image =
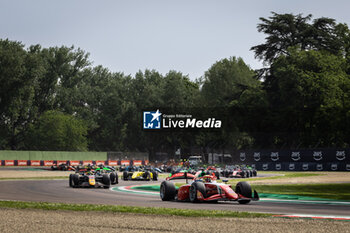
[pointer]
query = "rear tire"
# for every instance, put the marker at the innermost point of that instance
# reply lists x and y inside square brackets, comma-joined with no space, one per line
[112,176]
[155,176]
[116,178]
[125,175]
[167,191]
[147,176]
[245,190]
[217,174]
[197,186]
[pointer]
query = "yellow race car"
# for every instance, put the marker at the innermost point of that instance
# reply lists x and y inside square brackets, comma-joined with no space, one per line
[139,174]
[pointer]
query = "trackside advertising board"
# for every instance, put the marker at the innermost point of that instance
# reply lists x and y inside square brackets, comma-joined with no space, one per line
[22,162]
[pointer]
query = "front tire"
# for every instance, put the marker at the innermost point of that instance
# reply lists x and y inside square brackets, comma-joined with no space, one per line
[75,181]
[167,191]
[197,186]
[245,190]
[71,180]
[106,180]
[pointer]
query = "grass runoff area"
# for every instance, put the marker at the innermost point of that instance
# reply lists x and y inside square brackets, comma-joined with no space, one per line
[334,191]
[131,209]
[328,191]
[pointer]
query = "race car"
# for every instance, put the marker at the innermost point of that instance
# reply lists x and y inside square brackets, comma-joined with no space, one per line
[236,172]
[87,177]
[62,167]
[205,189]
[140,174]
[113,175]
[209,171]
[181,173]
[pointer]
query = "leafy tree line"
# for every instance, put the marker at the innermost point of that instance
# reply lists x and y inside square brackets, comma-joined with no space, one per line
[54,99]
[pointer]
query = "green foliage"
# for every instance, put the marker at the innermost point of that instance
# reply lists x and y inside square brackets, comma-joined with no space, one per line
[301,99]
[309,92]
[287,30]
[57,131]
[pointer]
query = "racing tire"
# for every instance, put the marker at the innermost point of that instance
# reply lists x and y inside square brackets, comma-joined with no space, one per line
[247,174]
[75,180]
[255,173]
[245,190]
[71,184]
[106,180]
[217,174]
[243,174]
[155,176]
[112,176]
[227,174]
[147,176]
[116,178]
[196,186]
[125,175]
[167,191]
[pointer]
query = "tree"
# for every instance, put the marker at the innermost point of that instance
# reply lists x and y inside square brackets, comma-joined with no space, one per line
[288,30]
[58,131]
[226,84]
[308,92]
[18,72]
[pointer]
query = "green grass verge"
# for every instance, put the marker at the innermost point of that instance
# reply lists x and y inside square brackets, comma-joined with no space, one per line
[130,209]
[329,191]
[36,178]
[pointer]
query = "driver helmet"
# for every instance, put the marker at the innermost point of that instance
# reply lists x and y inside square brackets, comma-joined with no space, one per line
[207,179]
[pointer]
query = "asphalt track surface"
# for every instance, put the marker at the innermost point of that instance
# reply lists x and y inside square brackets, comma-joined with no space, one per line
[59,191]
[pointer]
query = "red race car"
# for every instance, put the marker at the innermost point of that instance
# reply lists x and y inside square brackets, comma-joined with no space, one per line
[205,189]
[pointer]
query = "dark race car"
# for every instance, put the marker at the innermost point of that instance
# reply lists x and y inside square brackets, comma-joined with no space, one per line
[62,167]
[86,177]
[205,189]
[113,175]
[236,172]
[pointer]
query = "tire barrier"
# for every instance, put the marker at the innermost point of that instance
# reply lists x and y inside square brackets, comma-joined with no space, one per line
[49,163]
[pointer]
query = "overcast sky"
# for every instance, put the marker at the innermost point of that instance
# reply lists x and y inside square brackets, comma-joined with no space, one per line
[126,36]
